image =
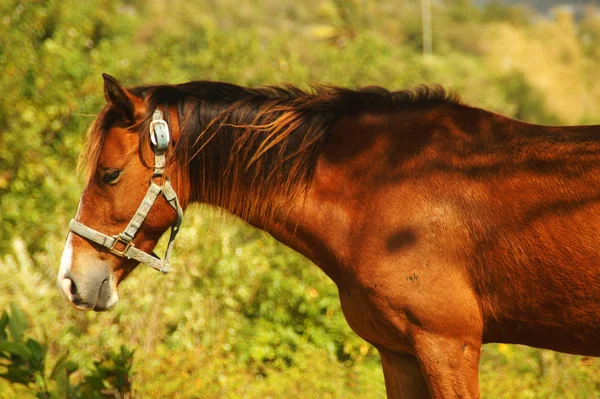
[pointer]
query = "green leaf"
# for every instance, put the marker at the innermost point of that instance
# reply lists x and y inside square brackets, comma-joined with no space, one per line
[17,323]
[95,382]
[62,384]
[3,324]
[39,379]
[16,348]
[17,376]
[38,351]
[60,373]
[71,367]
[59,366]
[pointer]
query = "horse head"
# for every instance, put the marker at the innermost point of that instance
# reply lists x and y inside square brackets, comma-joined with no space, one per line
[127,204]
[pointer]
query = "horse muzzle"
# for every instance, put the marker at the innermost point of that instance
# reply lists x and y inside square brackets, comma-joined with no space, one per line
[89,288]
[89,294]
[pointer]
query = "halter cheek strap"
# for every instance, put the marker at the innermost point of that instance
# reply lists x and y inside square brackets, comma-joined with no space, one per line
[122,244]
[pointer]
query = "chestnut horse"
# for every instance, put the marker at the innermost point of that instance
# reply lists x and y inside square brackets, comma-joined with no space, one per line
[443,226]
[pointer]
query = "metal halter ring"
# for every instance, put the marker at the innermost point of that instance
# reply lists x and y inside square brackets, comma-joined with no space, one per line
[113,248]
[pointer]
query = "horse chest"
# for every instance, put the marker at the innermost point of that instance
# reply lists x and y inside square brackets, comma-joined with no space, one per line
[375,324]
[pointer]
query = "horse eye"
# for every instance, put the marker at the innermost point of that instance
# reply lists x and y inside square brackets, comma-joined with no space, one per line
[111,176]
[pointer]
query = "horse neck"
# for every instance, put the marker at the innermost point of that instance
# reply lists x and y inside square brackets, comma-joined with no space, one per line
[363,154]
[256,163]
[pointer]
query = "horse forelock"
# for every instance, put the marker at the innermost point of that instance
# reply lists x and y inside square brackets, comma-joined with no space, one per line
[88,158]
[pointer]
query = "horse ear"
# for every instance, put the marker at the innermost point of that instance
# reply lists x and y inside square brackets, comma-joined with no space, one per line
[119,97]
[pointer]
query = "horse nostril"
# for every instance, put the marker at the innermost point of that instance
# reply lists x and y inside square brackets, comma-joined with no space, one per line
[73,287]
[66,286]
[69,287]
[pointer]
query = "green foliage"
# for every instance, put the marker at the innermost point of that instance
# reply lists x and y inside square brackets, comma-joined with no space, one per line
[110,377]
[24,363]
[518,15]
[50,54]
[242,316]
[24,359]
[527,99]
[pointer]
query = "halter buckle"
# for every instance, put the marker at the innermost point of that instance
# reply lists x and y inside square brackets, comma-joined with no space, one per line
[113,248]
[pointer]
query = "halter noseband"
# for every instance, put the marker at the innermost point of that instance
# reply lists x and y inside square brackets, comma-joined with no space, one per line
[159,135]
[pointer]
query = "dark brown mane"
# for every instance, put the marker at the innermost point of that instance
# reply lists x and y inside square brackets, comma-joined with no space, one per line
[244,147]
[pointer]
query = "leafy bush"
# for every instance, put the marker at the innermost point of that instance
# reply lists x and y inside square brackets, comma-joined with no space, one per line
[24,362]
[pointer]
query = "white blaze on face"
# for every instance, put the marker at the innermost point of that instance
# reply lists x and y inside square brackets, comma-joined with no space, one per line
[66,261]
[65,264]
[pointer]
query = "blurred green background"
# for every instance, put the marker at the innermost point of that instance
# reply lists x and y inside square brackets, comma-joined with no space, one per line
[243,316]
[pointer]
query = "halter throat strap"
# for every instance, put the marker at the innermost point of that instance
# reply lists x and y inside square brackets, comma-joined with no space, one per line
[122,244]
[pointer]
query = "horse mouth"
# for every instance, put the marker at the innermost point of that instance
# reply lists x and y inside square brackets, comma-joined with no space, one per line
[105,300]
[104,303]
